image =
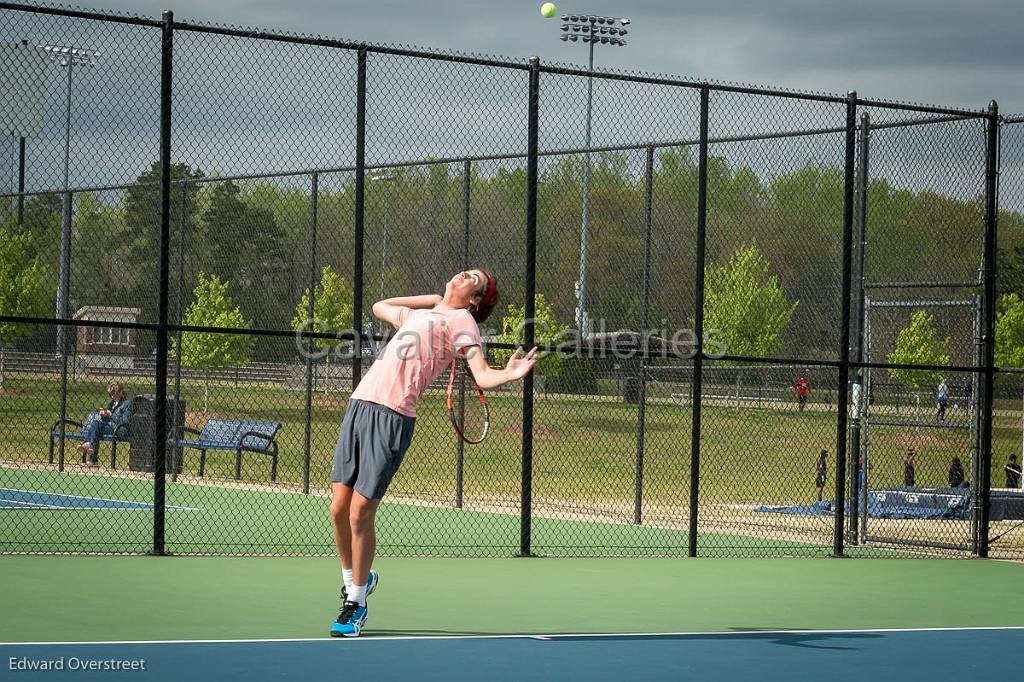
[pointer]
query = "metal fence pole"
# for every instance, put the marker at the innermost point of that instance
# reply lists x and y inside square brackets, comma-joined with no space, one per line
[988,318]
[698,318]
[641,422]
[63,407]
[357,251]
[21,180]
[863,476]
[64,288]
[526,496]
[310,344]
[160,403]
[859,392]
[976,423]
[460,446]
[842,385]
[182,226]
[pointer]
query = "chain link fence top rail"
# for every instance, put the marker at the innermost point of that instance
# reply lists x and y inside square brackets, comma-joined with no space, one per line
[275,192]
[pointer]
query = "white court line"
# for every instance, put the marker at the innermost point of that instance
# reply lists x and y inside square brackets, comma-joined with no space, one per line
[146,505]
[538,636]
[34,505]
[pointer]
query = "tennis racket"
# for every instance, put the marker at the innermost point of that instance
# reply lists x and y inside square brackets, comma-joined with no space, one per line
[471,418]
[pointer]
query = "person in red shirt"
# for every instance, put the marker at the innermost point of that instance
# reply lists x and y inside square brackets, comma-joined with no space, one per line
[803,389]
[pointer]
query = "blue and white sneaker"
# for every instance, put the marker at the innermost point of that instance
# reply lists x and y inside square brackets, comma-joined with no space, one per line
[350,621]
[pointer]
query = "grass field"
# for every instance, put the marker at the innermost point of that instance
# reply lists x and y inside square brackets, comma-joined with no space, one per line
[584,467]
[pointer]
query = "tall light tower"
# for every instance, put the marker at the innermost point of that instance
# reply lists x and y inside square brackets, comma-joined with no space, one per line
[591,30]
[383,175]
[68,58]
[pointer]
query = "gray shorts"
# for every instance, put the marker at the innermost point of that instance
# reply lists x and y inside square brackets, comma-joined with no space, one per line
[370,448]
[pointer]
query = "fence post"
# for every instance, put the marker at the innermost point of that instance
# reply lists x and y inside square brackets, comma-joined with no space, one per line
[357,251]
[176,430]
[529,312]
[160,403]
[988,319]
[310,344]
[698,318]
[859,388]
[63,405]
[460,445]
[63,291]
[842,385]
[641,416]
[21,180]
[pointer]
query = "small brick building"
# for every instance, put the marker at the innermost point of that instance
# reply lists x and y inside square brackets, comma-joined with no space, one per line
[106,346]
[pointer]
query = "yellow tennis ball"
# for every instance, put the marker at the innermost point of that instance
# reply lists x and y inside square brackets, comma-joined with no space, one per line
[548,9]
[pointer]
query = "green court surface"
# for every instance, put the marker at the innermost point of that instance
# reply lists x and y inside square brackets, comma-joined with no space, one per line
[74,598]
[219,518]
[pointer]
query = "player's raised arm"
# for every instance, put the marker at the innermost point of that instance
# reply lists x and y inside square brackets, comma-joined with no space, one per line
[519,365]
[390,309]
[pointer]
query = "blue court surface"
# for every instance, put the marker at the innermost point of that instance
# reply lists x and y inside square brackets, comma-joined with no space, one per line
[907,655]
[12,498]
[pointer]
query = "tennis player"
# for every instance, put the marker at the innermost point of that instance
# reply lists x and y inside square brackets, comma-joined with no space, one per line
[378,424]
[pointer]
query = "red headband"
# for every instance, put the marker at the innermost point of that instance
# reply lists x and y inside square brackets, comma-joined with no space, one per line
[489,293]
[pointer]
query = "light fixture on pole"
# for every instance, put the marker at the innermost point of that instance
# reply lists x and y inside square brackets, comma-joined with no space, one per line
[69,58]
[590,30]
[383,175]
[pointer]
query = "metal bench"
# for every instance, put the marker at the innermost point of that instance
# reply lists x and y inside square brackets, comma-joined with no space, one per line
[121,433]
[234,434]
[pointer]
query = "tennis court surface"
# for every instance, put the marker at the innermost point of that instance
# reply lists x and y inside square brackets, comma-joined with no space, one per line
[841,655]
[218,618]
[12,498]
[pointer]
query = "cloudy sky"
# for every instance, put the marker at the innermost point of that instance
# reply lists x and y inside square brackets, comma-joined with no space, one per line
[933,51]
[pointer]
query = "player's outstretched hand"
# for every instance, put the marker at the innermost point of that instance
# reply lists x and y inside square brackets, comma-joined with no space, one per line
[519,365]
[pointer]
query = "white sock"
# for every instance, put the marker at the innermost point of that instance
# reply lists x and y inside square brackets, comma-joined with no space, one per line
[346,576]
[357,593]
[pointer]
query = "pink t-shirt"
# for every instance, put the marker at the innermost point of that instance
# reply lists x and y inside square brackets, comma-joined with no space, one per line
[421,349]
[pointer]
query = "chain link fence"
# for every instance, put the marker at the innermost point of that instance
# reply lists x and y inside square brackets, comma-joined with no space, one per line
[758,302]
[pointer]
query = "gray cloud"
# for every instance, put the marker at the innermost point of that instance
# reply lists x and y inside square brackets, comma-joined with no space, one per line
[243,107]
[942,52]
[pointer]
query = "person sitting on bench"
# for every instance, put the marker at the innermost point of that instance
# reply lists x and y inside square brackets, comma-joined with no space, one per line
[103,422]
[1012,472]
[956,474]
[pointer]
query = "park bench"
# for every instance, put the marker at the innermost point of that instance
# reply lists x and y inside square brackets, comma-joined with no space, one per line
[121,433]
[234,434]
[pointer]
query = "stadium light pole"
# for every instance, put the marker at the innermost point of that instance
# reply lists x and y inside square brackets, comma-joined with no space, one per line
[591,30]
[69,58]
[383,175]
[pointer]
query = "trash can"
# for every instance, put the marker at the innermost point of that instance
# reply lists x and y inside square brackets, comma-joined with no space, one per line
[140,458]
[631,390]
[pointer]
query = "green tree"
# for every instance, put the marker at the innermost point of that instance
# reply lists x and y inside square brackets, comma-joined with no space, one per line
[1010,331]
[547,330]
[226,224]
[919,344]
[138,243]
[332,311]
[206,351]
[98,269]
[246,246]
[23,288]
[746,305]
